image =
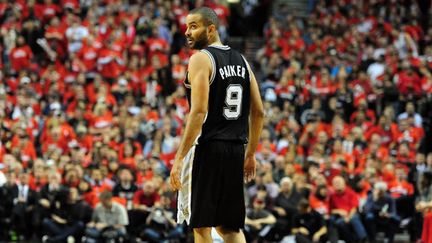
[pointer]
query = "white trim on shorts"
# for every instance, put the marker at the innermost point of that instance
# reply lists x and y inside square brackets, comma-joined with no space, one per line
[184,199]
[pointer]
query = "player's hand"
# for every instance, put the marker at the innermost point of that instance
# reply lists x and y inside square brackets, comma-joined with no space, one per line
[249,168]
[175,175]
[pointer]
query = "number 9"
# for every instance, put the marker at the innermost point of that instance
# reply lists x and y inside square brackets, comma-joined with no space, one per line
[233,101]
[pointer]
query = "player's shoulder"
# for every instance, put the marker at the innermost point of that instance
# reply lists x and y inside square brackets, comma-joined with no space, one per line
[199,58]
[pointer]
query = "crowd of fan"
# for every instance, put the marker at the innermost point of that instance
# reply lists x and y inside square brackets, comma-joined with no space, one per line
[345,151]
[92,108]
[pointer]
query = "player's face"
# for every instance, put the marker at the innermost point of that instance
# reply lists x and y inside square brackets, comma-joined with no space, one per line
[196,32]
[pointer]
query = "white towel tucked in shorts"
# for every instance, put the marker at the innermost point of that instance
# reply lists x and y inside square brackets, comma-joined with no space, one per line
[185,193]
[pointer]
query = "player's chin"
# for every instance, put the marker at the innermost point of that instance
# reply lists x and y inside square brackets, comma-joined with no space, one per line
[190,44]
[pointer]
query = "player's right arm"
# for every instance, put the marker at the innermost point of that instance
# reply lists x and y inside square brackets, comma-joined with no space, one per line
[256,120]
[199,72]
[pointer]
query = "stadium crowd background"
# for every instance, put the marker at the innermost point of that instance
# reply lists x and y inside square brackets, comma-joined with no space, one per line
[92,109]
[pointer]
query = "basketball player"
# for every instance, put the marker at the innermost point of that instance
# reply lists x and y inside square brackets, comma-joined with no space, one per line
[226,113]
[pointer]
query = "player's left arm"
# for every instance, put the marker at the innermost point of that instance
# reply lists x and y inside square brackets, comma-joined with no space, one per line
[256,121]
[199,72]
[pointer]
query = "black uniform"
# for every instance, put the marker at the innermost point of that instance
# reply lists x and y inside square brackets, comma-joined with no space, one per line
[217,168]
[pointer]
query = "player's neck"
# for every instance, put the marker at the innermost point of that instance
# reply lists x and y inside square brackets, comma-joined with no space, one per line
[216,42]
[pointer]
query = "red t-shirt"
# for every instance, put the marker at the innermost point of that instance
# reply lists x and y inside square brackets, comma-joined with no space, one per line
[88,56]
[110,63]
[385,134]
[321,206]
[346,200]
[400,188]
[158,47]
[20,57]
[46,11]
[149,200]
[409,83]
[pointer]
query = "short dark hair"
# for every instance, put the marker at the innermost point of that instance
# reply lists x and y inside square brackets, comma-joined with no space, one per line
[209,16]
[105,195]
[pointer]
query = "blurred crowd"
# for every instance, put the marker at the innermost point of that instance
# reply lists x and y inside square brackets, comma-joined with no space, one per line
[92,108]
[345,152]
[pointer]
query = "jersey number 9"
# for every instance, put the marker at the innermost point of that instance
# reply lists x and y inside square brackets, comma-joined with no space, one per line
[233,100]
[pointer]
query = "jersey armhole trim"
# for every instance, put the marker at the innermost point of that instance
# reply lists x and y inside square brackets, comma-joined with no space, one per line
[248,67]
[213,75]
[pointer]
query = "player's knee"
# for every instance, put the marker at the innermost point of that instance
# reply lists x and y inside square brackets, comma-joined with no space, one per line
[202,231]
[223,231]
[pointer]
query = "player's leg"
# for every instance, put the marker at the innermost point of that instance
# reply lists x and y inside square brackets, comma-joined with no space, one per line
[231,236]
[202,235]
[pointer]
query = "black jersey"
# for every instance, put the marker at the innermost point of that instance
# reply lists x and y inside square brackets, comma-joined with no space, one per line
[229,96]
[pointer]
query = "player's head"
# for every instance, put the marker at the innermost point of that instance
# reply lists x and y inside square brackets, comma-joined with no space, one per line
[202,24]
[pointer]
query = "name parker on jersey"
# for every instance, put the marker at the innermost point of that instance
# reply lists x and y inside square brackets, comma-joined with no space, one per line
[232,70]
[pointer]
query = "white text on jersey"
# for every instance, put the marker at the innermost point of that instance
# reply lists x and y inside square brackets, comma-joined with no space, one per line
[232,70]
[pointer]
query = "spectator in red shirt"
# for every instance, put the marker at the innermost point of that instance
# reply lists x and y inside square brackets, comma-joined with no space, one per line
[143,202]
[157,46]
[47,10]
[324,85]
[20,56]
[88,195]
[340,157]
[178,69]
[84,140]
[319,200]
[400,186]
[38,177]
[98,182]
[55,35]
[88,54]
[402,191]
[343,208]
[383,129]
[404,133]
[127,152]
[375,150]
[409,82]
[110,62]
[146,198]
[363,107]
[26,146]
[361,85]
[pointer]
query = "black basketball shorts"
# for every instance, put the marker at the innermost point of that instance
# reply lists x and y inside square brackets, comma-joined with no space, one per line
[212,186]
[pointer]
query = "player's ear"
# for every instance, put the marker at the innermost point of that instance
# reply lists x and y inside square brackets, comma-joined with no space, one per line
[212,29]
